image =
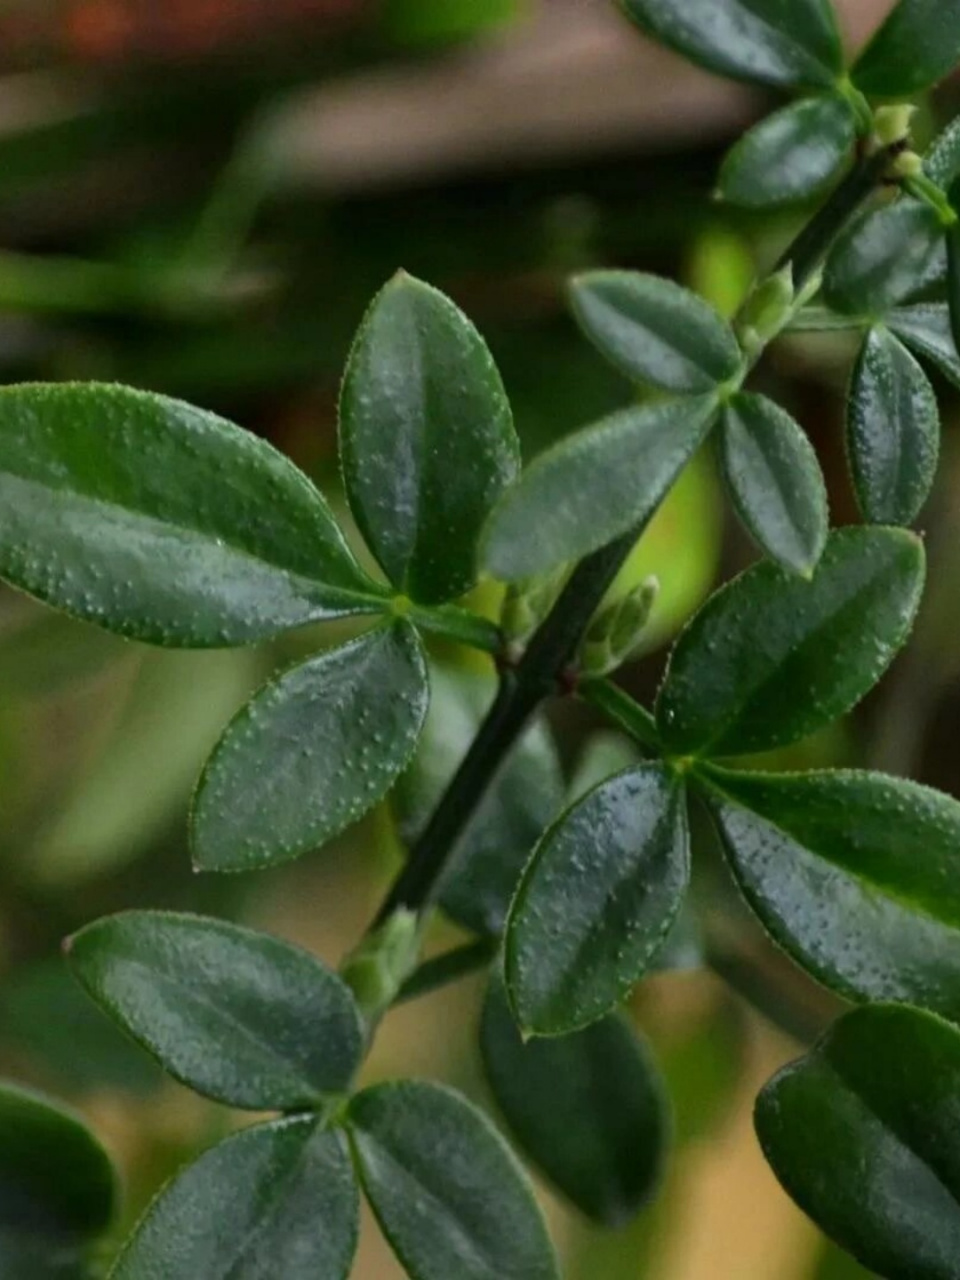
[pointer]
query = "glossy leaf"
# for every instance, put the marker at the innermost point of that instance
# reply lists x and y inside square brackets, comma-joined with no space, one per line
[781,42]
[655,331]
[445,1188]
[312,752]
[791,155]
[856,875]
[775,479]
[893,431]
[771,657]
[593,486]
[164,522]
[523,799]
[953,271]
[58,1185]
[862,1132]
[942,161]
[277,1199]
[236,1015]
[917,45]
[925,328]
[589,1109]
[426,439]
[882,257]
[596,901]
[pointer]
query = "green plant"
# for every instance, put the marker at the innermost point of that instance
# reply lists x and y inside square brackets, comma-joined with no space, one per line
[168,525]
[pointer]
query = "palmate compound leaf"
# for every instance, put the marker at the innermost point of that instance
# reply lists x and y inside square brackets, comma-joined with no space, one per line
[277,1199]
[780,42]
[589,1109]
[594,486]
[445,1187]
[893,431]
[313,751]
[597,900]
[791,155]
[916,46]
[863,1133]
[426,439]
[856,875]
[58,1191]
[163,522]
[772,471]
[237,1015]
[771,657]
[655,331]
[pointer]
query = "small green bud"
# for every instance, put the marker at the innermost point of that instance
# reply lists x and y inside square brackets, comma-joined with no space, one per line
[767,310]
[906,165]
[892,124]
[382,962]
[527,603]
[617,631]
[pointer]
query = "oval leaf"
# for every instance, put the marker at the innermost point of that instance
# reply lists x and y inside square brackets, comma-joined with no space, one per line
[59,1188]
[445,1187]
[593,486]
[893,431]
[882,257]
[775,479]
[312,752]
[953,272]
[589,1109]
[278,1199]
[654,331]
[862,1133]
[926,329]
[163,522]
[772,41]
[942,161]
[426,439]
[856,875]
[239,1016]
[917,45]
[596,901]
[791,155]
[771,657]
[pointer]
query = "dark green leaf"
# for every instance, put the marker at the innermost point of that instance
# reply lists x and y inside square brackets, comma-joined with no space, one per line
[426,439]
[879,259]
[917,45]
[525,797]
[856,875]
[236,1015]
[776,482]
[893,431]
[277,1200]
[654,331]
[942,161]
[953,272]
[593,486]
[791,155]
[862,1133]
[597,900]
[782,42]
[926,329]
[163,522]
[771,657]
[445,1187]
[57,1185]
[312,752]
[589,1108]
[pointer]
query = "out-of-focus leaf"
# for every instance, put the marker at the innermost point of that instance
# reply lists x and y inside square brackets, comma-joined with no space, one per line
[916,46]
[312,752]
[791,155]
[596,901]
[825,643]
[588,1108]
[893,431]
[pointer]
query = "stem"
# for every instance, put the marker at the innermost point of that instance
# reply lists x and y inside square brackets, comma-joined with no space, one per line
[446,968]
[554,646]
[459,625]
[620,707]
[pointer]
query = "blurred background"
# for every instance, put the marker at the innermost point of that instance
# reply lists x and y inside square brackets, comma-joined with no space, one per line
[199,197]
